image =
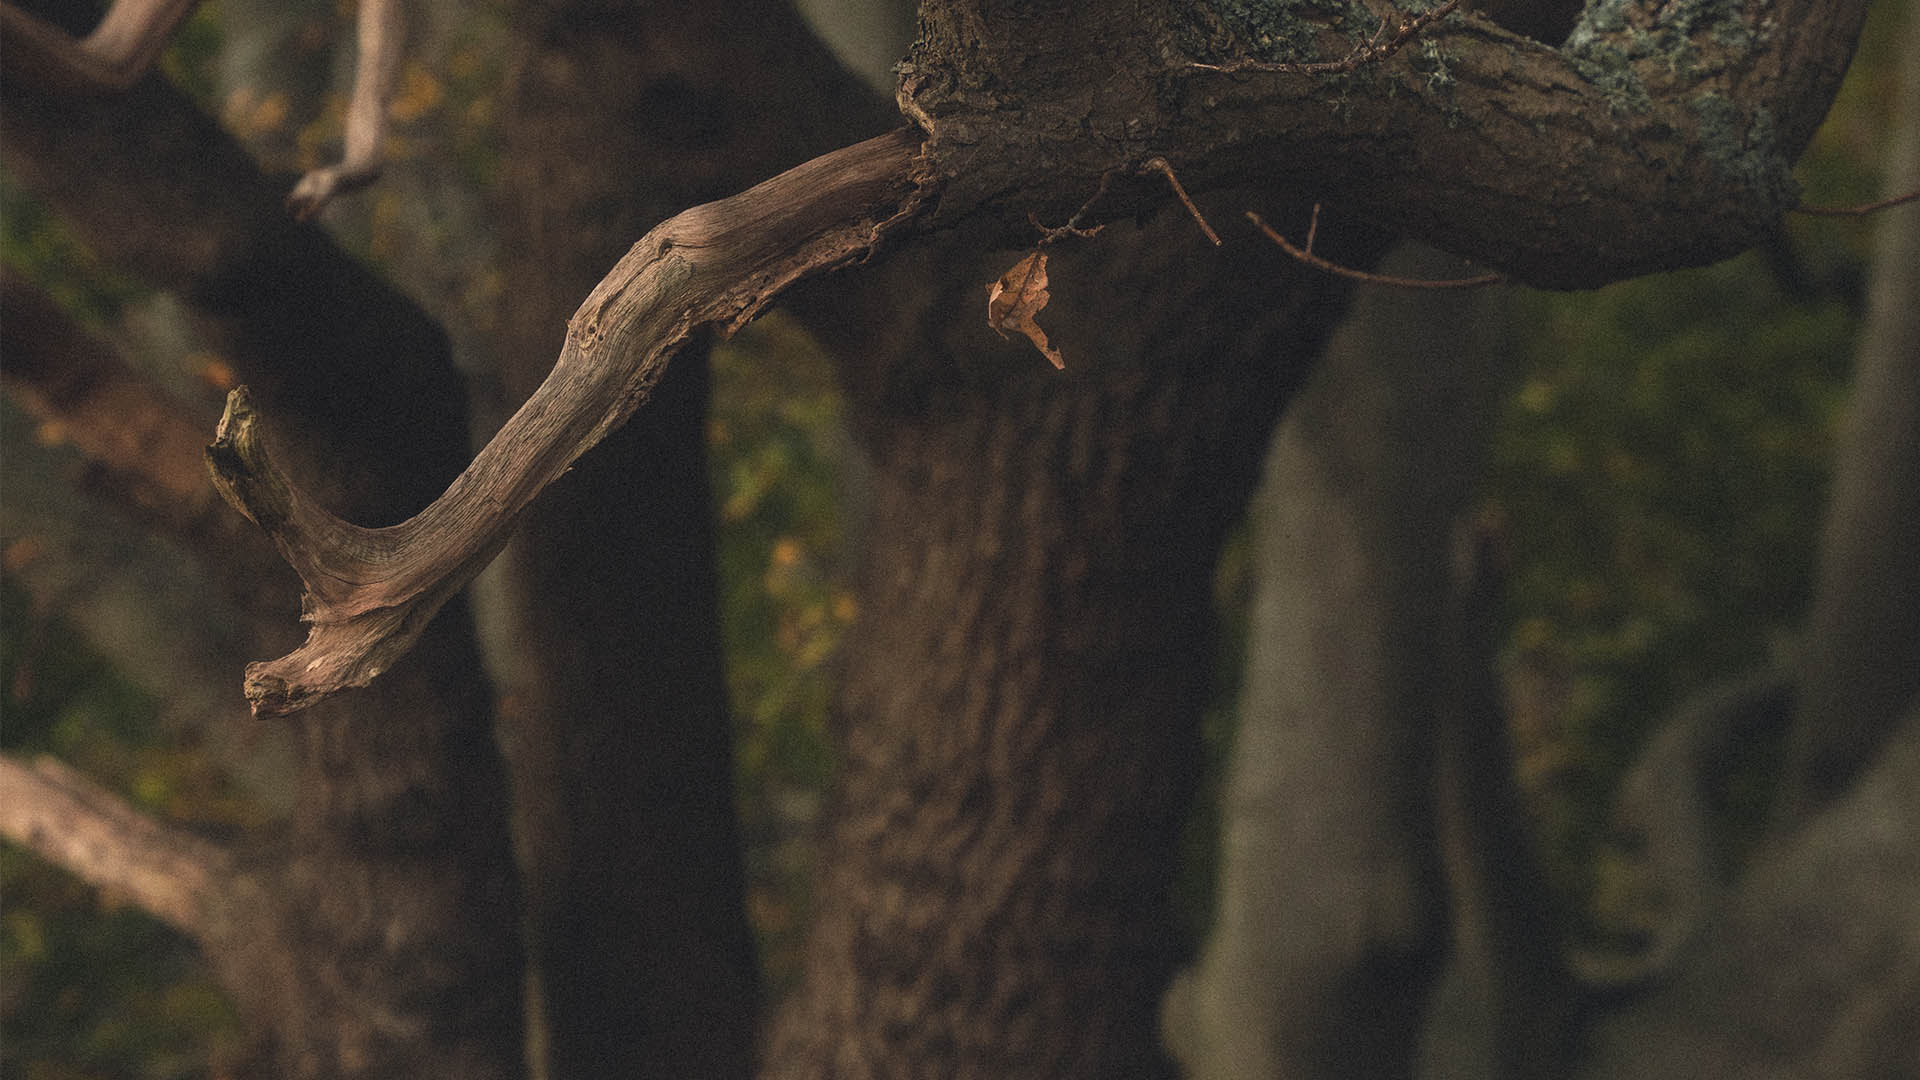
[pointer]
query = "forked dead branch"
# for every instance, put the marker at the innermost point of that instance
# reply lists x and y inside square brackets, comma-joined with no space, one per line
[370,592]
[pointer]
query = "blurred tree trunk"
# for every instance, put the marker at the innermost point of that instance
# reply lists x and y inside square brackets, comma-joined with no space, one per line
[615,711]
[1862,661]
[1332,910]
[1810,967]
[380,938]
[1024,684]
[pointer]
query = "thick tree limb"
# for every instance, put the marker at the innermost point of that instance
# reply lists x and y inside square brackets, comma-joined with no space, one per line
[370,592]
[1654,139]
[75,824]
[1660,136]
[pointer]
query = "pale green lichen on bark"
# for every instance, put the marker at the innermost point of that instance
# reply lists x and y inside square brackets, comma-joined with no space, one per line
[1605,36]
[1617,46]
[1281,31]
[1743,148]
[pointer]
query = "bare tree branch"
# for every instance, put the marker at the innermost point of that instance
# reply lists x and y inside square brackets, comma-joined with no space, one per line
[1307,256]
[371,591]
[134,32]
[120,50]
[380,30]
[76,824]
[1569,167]
[1659,136]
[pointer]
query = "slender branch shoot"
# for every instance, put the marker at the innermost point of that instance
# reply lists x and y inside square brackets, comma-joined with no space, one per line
[1319,263]
[1858,211]
[1159,165]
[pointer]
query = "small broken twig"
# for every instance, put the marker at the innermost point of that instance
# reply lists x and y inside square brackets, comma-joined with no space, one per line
[1375,49]
[1307,256]
[1857,211]
[1159,165]
[1048,234]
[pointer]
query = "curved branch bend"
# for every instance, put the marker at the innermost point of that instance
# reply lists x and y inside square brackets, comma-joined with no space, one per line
[370,592]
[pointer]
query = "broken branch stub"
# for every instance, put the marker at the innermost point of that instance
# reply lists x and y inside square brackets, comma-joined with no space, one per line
[370,592]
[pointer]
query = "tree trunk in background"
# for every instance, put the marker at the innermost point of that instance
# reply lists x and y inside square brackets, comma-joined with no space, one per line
[1332,913]
[1862,659]
[391,946]
[615,714]
[1811,966]
[1024,685]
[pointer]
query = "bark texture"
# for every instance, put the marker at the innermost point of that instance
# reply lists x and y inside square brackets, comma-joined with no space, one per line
[615,708]
[1024,685]
[1661,136]
[383,937]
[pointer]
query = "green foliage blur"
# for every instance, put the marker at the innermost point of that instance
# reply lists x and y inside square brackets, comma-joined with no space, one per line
[779,457]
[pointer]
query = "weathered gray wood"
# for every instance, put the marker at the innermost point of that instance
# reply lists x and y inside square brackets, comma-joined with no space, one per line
[371,591]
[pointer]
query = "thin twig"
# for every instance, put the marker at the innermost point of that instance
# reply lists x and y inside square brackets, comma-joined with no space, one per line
[1361,275]
[1048,234]
[1373,51]
[1159,165]
[1857,211]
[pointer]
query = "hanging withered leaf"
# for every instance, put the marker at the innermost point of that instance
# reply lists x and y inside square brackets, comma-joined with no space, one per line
[1013,301]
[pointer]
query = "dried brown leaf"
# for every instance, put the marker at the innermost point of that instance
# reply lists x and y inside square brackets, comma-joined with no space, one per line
[1013,301]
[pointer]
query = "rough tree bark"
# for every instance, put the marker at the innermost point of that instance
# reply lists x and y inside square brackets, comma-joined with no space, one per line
[1019,718]
[615,710]
[380,936]
[1660,136]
